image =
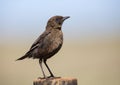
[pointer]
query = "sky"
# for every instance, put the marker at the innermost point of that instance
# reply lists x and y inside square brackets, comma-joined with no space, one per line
[88,17]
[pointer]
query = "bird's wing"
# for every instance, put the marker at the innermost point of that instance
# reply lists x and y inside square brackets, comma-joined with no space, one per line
[36,44]
[39,40]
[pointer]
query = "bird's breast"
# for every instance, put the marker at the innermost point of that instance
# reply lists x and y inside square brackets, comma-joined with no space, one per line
[56,41]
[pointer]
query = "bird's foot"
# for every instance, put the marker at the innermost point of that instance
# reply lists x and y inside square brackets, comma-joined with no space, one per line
[52,77]
[45,77]
[49,77]
[41,77]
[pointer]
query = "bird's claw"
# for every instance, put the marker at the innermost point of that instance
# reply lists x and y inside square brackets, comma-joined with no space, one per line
[41,78]
[49,77]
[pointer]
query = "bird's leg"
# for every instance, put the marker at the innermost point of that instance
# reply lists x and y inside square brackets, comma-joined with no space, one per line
[51,74]
[40,62]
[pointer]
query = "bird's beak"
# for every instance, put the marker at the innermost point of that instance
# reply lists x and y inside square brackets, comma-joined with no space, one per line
[66,17]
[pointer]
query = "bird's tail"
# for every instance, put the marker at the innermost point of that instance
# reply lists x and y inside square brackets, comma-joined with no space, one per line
[28,54]
[21,58]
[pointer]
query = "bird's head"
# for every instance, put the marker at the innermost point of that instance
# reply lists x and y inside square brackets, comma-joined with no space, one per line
[56,22]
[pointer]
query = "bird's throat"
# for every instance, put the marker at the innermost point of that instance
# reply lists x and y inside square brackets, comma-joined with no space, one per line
[59,28]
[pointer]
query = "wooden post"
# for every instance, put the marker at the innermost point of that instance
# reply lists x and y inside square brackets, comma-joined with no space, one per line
[55,81]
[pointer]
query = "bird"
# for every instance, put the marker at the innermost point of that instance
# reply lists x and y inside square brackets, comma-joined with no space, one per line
[48,43]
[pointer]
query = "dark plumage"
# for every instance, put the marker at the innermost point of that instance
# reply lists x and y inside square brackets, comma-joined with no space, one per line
[47,44]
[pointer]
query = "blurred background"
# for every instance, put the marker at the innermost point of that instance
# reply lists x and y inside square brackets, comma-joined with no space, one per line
[91,49]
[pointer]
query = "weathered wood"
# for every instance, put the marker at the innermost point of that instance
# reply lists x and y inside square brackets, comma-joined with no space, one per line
[55,81]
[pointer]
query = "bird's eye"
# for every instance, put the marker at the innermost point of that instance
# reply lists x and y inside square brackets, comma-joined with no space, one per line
[57,20]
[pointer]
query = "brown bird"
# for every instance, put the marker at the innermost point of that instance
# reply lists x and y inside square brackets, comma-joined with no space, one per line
[47,44]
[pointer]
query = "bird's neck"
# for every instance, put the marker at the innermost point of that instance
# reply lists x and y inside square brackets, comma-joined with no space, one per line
[56,28]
